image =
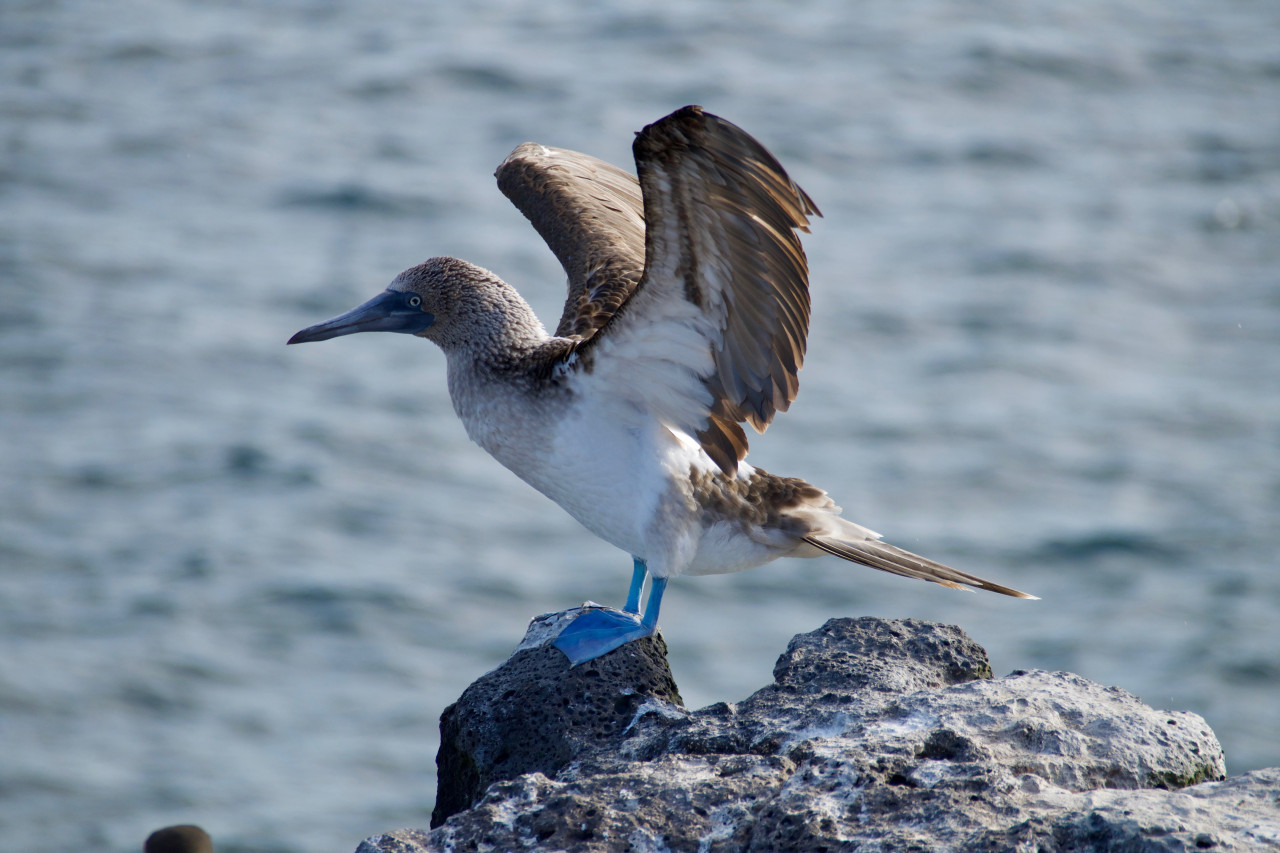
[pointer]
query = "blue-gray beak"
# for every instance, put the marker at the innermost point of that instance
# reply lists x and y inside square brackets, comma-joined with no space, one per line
[392,311]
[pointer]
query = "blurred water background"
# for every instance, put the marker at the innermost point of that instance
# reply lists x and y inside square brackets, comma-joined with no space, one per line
[239,582]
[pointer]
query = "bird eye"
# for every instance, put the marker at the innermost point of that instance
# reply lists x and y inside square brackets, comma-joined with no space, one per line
[415,301]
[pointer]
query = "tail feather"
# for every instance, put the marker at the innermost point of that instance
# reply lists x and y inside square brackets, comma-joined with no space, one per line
[888,558]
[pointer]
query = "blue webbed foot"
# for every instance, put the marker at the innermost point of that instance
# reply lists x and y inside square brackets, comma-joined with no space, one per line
[600,631]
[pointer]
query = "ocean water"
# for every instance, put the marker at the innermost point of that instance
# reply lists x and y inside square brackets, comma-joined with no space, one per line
[239,581]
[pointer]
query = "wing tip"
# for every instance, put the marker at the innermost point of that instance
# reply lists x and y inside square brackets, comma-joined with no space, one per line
[1009,591]
[521,153]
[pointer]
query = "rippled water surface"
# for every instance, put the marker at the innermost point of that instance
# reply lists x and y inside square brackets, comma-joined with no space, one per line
[239,582]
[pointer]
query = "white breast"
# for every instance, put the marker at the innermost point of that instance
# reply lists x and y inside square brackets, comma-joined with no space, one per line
[604,467]
[616,469]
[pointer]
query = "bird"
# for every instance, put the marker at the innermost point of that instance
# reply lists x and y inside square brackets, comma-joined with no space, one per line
[686,317]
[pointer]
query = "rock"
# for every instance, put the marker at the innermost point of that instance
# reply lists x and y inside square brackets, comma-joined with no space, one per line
[535,714]
[876,734]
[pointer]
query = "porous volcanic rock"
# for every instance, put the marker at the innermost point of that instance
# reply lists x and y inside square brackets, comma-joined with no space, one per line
[875,735]
[536,714]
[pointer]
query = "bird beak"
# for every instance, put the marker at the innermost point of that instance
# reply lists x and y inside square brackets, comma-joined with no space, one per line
[388,312]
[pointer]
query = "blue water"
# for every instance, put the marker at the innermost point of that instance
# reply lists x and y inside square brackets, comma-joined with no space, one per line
[239,582]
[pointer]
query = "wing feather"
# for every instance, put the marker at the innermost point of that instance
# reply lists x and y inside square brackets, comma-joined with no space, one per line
[591,215]
[688,290]
[722,217]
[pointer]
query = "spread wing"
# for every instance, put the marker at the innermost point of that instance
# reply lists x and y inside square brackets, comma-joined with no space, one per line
[688,290]
[590,213]
[714,333]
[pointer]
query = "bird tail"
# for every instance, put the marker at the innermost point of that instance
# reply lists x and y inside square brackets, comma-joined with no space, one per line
[888,558]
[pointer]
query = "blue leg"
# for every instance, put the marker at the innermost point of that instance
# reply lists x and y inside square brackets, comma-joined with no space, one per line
[637,581]
[656,589]
[600,631]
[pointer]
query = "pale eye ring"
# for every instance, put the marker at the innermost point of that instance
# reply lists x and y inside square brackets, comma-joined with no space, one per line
[415,301]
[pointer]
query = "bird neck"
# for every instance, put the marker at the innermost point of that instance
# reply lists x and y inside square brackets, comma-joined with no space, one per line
[507,401]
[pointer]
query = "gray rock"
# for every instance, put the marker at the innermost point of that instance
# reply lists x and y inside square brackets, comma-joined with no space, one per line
[875,735]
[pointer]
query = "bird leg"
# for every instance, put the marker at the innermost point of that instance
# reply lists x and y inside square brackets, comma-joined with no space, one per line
[656,589]
[601,630]
[637,581]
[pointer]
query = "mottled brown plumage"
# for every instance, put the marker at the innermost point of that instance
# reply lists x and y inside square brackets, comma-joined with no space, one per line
[761,500]
[601,246]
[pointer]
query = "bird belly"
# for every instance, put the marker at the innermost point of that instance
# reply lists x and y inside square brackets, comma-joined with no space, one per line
[631,488]
[626,478]
[604,474]
[726,547]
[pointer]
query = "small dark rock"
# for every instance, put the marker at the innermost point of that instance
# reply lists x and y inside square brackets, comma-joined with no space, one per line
[536,714]
[886,656]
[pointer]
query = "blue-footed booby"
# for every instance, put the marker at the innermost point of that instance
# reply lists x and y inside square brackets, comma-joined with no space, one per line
[686,317]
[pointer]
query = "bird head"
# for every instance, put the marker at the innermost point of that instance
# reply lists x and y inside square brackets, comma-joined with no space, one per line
[410,305]
[458,305]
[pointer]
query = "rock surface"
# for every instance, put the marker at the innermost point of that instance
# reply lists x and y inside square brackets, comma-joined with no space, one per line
[534,714]
[875,735]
